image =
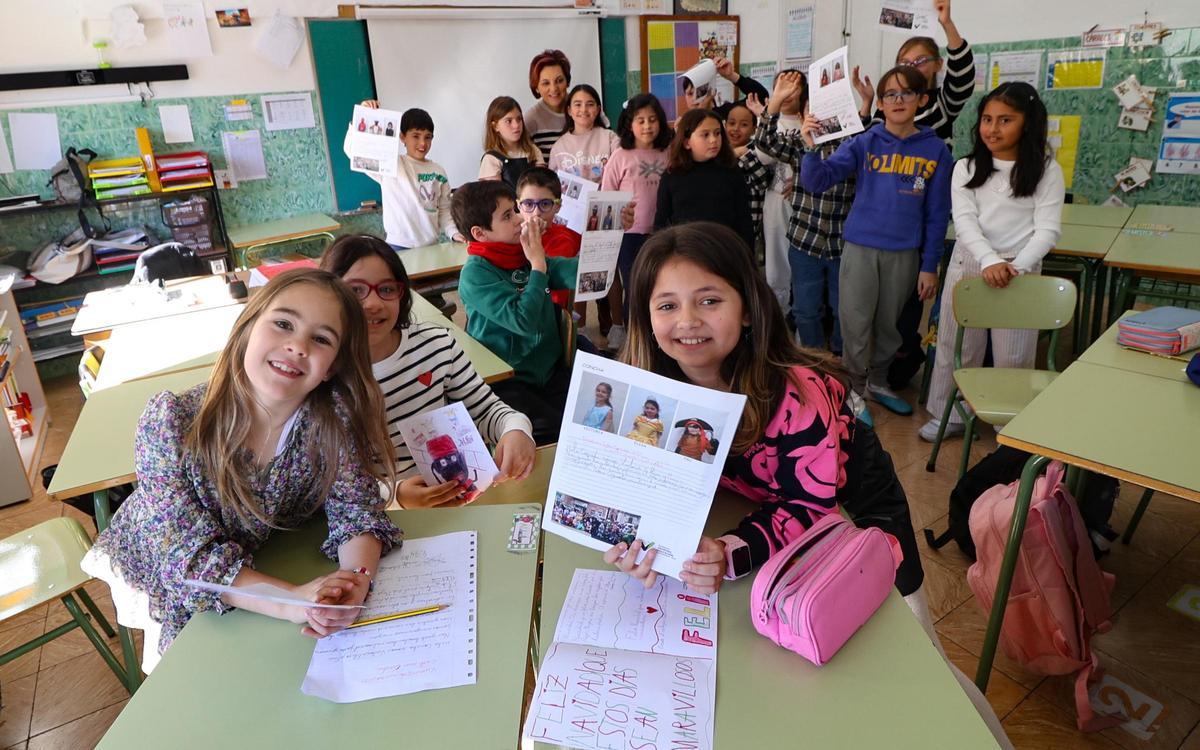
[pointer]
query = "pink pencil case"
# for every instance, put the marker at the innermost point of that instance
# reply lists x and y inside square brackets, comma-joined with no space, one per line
[821,588]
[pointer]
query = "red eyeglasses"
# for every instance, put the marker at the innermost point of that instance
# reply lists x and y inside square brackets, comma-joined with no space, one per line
[385,290]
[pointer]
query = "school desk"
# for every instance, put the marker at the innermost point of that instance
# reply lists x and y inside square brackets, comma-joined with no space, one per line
[1111,217]
[165,345]
[123,305]
[248,239]
[1180,218]
[532,489]
[1082,248]
[1140,433]
[1106,352]
[234,680]
[1173,256]
[434,261]
[489,366]
[769,697]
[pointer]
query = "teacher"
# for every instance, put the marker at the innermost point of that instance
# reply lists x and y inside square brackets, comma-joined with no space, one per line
[549,79]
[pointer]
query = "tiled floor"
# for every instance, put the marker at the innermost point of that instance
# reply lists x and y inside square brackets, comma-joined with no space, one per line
[63,695]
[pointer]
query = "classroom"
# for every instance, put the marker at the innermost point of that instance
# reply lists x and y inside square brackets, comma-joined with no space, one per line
[469,374]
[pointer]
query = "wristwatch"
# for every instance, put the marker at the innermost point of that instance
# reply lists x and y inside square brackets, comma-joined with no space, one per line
[737,557]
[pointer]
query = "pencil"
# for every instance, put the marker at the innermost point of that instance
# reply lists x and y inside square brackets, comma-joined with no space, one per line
[399,615]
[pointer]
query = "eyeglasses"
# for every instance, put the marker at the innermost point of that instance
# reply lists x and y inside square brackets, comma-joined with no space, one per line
[385,290]
[918,62]
[545,204]
[892,97]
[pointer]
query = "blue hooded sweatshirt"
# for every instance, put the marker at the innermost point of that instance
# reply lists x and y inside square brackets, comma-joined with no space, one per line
[902,200]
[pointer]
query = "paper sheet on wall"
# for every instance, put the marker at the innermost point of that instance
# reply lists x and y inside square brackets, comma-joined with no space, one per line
[176,123]
[35,141]
[908,16]
[831,98]
[981,71]
[279,40]
[590,697]
[643,474]
[374,140]
[1015,66]
[244,154]
[1179,152]
[574,209]
[6,164]
[1135,174]
[1074,69]
[600,245]
[288,111]
[426,652]
[610,609]
[447,447]
[1063,139]
[797,36]
[187,30]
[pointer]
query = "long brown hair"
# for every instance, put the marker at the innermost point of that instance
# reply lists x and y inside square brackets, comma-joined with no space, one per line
[219,436]
[760,364]
[501,106]
[679,158]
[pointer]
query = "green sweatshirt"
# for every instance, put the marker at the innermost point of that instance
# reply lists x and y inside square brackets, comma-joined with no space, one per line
[511,313]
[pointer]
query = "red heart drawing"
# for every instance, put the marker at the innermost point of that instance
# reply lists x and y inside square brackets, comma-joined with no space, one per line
[650,610]
[425,378]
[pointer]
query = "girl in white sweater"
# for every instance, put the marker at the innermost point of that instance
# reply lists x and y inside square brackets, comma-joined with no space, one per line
[1007,205]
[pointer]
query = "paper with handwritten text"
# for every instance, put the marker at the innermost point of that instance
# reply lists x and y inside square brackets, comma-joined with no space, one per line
[650,472]
[425,652]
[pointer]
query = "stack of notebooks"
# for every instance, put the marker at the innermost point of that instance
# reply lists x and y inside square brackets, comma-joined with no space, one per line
[119,251]
[1168,331]
[118,178]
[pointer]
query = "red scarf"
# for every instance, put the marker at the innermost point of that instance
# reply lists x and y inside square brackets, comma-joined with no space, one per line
[503,255]
[561,241]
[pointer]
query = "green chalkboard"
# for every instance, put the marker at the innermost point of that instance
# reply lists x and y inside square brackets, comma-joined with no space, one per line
[342,58]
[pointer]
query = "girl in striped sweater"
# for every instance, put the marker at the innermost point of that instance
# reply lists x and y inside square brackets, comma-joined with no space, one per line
[421,367]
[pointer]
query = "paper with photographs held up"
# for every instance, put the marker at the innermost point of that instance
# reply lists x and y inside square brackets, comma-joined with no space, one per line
[639,457]
[373,141]
[831,98]
[447,447]
[601,244]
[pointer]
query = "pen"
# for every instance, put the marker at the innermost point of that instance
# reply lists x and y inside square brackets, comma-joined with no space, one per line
[399,615]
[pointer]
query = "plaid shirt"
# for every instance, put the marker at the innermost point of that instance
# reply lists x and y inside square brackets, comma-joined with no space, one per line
[817,218]
[758,178]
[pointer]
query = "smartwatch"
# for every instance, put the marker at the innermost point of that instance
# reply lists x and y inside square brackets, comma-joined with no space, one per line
[737,557]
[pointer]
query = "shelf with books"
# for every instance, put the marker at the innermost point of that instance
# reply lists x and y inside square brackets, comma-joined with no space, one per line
[23,409]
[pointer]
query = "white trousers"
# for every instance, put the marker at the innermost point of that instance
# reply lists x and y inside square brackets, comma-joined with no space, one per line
[777,212]
[1010,347]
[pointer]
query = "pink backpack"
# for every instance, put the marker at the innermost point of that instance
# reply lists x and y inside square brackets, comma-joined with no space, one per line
[816,592]
[1059,597]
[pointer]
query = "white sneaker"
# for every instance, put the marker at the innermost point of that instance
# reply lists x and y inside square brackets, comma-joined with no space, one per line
[929,430]
[616,337]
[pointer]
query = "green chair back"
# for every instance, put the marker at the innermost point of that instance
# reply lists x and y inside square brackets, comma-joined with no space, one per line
[1044,303]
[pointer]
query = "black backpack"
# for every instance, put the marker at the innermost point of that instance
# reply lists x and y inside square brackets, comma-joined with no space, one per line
[1004,466]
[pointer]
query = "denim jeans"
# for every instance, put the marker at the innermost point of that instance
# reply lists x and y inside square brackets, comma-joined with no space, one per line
[814,284]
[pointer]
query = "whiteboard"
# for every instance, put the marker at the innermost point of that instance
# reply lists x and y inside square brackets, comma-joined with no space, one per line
[453,68]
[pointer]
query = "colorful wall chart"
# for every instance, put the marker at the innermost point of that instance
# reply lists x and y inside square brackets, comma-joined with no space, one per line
[670,46]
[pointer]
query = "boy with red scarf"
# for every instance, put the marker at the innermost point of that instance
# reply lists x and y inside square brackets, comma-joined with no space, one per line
[505,287]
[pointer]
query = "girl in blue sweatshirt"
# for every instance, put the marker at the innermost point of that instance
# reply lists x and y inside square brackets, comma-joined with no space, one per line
[893,235]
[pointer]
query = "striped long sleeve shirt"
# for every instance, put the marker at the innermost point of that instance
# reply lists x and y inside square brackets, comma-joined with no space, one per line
[946,101]
[430,370]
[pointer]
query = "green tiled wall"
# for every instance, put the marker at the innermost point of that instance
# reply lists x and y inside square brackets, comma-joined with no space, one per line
[1104,149]
[298,173]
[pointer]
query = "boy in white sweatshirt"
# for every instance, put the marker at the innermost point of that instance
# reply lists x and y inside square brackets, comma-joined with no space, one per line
[416,202]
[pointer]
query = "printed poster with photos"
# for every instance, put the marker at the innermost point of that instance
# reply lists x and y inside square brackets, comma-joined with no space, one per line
[374,138]
[639,457]
[601,244]
[1179,152]
[831,98]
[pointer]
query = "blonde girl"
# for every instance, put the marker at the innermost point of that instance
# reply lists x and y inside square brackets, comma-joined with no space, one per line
[507,148]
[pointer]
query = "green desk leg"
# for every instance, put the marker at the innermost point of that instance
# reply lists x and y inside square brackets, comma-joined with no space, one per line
[1125,279]
[133,670]
[1033,467]
[1102,294]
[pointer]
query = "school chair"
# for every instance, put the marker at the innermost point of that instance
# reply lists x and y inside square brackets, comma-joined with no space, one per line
[994,394]
[41,564]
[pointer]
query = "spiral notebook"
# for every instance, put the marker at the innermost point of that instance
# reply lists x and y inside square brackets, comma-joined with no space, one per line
[426,652]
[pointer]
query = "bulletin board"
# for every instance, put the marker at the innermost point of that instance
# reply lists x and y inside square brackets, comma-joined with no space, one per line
[671,45]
